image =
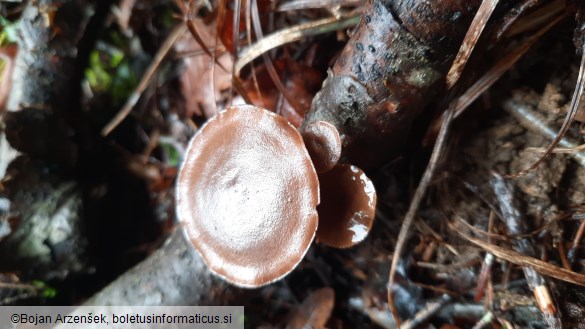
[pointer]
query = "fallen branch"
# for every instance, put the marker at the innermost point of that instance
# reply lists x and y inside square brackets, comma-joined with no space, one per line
[173,275]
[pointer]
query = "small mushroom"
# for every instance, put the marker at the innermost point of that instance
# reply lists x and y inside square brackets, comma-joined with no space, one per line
[348,205]
[247,195]
[323,143]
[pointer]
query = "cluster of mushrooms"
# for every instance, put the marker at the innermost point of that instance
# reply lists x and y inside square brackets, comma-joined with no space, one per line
[254,192]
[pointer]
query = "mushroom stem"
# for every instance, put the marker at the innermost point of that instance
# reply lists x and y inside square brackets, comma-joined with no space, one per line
[173,275]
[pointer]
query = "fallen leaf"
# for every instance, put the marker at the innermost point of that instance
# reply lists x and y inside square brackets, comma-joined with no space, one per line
[202,86]
[301,82]
[315,310]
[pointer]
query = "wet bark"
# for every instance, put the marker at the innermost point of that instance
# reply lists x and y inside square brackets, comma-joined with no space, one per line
[44,235]
[388,72]
[174,275]
[46,123]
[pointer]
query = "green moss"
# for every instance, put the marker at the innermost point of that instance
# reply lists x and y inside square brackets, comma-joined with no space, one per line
[46,290]
[110,72]
[8,33]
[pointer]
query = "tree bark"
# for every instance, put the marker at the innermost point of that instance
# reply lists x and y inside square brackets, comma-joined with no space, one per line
[47,239]
[174,275]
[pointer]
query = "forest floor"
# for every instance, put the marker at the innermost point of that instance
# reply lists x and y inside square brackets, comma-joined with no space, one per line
[117,206]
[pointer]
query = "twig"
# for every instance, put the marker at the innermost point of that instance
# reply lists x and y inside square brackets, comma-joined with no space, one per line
[430,309]
[22,286]
[12,300]
[530,120]
[563,255]
[512,216]
[484,321]
[575,244]
[312,4]
[292,34]
[477,25]
[484,275]
[146,78]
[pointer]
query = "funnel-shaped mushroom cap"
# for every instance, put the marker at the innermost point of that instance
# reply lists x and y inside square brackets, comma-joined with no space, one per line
[348,206]
[323,143]
[247,195]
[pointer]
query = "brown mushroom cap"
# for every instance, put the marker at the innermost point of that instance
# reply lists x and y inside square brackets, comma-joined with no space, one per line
[323,143]
[247,195]
[348,206]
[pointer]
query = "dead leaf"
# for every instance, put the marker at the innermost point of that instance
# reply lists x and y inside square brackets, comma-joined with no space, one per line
[315,310]
[201,90]
[225,24]
[301,81]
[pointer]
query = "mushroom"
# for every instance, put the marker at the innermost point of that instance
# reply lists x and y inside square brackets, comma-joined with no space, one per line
[323,143]
[348,205]
[247,195]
